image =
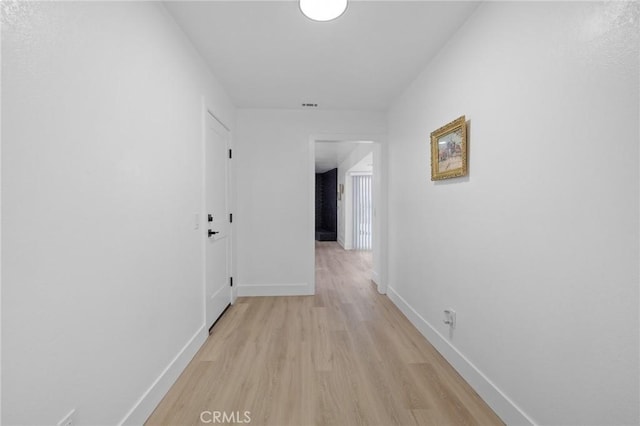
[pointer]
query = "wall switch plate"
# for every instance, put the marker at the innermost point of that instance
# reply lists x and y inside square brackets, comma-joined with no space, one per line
[69,419]
[196,221]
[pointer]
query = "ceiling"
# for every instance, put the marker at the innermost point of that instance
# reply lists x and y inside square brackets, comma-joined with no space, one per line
[363,166]
[330,154]
[268,55]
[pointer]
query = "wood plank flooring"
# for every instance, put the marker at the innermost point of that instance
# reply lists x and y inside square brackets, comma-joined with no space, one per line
[346,356]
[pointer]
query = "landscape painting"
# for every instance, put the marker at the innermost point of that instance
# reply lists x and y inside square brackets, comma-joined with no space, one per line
[449,150]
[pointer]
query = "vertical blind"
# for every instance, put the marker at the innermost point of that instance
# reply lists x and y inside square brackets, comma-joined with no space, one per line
[362,212]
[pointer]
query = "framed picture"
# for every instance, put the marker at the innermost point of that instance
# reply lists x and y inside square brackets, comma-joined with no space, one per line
[449,150]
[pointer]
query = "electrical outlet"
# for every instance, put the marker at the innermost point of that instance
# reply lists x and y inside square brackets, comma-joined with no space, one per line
[450,318]
[69,419]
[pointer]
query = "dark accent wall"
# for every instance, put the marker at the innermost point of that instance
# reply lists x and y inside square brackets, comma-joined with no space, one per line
[327,205]
[319,195]
[329,200]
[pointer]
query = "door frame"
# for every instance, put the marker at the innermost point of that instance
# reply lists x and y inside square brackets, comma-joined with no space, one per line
[379,273]
[207,113]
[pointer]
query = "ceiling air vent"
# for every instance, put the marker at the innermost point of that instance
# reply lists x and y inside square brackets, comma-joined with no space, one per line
[309,105]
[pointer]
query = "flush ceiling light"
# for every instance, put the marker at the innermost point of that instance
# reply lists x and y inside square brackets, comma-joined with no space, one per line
[323,10]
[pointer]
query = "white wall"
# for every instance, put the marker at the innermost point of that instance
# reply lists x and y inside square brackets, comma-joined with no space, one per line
[272,163]
[537,249]
[101,172]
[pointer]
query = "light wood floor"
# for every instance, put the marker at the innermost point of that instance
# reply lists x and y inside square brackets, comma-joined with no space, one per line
[346,356]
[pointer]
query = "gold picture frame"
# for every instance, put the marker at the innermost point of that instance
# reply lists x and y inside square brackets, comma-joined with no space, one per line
[449,150]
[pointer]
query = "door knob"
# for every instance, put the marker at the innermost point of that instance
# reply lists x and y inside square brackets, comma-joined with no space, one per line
[212,233]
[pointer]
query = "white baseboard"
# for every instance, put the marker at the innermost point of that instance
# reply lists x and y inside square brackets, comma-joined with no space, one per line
[375,277]
[340,242]
[509,412]
[148,402]
[275,290]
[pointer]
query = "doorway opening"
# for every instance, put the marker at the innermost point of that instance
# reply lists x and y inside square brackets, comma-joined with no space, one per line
[348,203]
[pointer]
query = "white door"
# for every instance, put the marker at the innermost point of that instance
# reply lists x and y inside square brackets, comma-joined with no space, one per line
[217,285]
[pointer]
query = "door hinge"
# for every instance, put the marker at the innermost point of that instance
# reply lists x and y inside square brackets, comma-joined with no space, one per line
[230,153]
[231,281]
[230,217]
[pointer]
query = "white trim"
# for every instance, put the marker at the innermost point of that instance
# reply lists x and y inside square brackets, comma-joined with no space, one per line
[506,409]
[380,234]
[218,120]
[275,290]
[375,277]
[1,328]
[311,226]
[148,402]
[203,207]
